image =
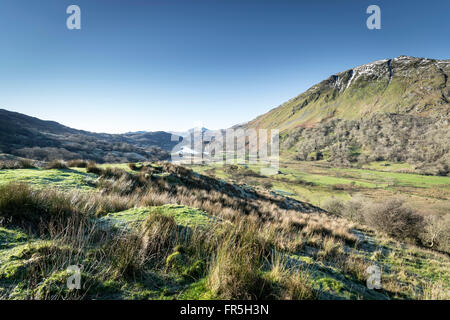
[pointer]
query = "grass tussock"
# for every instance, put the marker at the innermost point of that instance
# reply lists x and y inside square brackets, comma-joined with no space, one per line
[235,272]
[289,284]
[24,206]
[297,286]
[57,164]
[77,163]
[21,205]
[159,236]
[93,168]
[331,248]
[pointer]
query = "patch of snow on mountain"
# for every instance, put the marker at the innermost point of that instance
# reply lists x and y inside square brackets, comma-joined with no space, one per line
[368,69]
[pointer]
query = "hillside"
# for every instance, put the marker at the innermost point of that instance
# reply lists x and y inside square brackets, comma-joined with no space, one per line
[29,137]
[394,110]
[406,85]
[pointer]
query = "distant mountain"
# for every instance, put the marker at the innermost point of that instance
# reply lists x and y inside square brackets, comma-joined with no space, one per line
[26,136]
[189,132]
[403,85]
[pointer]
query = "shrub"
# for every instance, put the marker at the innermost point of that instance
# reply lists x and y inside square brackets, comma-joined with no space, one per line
[57,164]
[17,164]
[133,166]
[26,164]
[334,206]
[353,209]
[92,168]
[77,164]
[436,233]
[394,218]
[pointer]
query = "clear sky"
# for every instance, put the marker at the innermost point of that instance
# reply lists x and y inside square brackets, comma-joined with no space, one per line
[174,64]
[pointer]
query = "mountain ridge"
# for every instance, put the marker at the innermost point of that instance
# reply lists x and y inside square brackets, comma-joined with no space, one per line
[403,84]
[393,110]
[27,136]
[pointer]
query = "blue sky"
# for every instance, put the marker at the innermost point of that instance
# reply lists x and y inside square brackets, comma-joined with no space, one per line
[175,64]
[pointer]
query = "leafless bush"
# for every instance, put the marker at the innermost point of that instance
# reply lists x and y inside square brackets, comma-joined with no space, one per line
[353,209]
[436,232]
[395,218]
[334,206]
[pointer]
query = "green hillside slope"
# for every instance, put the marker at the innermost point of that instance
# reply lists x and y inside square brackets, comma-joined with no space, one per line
[394,110]
[410,85]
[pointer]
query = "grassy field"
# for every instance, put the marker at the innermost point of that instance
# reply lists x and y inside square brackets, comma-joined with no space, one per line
[204,243]
[183,215]
[65,179]
[316,182]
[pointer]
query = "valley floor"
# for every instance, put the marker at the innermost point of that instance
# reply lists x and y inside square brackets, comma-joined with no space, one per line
[316,182]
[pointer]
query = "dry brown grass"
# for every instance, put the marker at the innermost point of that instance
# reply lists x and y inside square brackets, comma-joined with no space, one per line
[77,163]
[353,265]
[290,284]
[435,291]
[57,164]
[93,168]
[297,286]
[235,271]
[331,248]
[159,236]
